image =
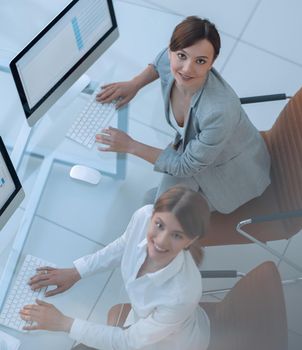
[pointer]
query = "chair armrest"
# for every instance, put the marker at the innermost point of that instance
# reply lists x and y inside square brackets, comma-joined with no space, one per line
[276,216]
[221,274]
[263,98]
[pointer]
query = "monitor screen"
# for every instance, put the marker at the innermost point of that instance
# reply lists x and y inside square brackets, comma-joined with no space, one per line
[11,192]
[61,53]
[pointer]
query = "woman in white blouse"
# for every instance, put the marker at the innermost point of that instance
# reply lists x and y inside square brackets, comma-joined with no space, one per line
[161,278]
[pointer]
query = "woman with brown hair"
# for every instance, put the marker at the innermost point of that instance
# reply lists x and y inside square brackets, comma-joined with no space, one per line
[160,275]
[217,150]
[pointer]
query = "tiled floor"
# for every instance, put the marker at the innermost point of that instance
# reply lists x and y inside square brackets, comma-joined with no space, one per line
[261,54]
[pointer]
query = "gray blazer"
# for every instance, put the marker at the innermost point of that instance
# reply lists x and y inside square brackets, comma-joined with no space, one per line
[221,149]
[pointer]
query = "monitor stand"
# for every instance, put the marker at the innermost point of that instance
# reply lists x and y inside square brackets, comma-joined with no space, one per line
[74,91]
[83,85]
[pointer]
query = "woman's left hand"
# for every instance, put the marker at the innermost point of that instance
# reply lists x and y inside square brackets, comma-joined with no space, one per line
[116,140]
[45,316]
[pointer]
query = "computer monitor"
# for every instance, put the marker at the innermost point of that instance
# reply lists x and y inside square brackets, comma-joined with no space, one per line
[11,191]
[59,55]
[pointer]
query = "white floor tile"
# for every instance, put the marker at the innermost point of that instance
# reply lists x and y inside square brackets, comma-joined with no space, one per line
[229,17]
[252,72]
[243,258]
[22,13]
[276,27]
[227,46]
[149,31]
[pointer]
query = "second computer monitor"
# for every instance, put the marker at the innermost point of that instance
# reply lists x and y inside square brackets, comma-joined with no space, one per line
[48,66]
[11,192]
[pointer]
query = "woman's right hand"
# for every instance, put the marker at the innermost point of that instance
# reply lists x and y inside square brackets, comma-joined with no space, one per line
[123,92]
[47,276]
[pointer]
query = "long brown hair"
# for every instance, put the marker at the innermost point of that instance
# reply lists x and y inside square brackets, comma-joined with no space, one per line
[193,29]
[192,212]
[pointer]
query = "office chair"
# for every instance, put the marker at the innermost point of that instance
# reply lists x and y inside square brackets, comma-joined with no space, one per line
[251,316]
[284,194]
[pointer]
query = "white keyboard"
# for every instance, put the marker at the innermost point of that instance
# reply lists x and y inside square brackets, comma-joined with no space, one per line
[93,118]
[20,293]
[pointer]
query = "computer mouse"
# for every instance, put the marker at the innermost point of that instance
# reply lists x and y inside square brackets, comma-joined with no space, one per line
[3,344]
[85,173]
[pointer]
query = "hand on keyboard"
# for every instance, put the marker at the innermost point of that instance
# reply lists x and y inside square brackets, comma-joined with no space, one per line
[49,276]
[93,118]
[21,294]
[116,140]
[122,91]
[45,316]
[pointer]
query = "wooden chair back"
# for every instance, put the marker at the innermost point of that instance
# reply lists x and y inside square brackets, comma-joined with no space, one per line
[252,315]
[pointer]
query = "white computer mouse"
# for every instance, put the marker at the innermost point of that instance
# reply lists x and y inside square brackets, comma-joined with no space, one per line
[3,344]
[85,173]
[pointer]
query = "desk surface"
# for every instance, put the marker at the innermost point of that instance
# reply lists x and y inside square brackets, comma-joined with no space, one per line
[73,218]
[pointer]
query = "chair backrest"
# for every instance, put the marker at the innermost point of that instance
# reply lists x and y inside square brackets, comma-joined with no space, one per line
[284,142]
[252,316]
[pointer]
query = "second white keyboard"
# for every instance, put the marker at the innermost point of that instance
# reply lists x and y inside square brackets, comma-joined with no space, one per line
[92,119]
[21,294]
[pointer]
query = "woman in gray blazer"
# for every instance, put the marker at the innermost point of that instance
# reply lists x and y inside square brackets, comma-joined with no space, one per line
[217,150]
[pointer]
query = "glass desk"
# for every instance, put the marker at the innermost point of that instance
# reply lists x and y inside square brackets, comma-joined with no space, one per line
[50,150]
[62,219]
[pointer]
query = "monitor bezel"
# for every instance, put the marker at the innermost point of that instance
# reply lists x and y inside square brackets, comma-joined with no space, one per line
[18,193]
[29,112]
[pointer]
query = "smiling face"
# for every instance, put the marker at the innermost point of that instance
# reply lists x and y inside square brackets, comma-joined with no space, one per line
[166,238]
[190,66]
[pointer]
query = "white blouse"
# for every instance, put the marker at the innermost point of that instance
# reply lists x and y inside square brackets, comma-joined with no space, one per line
[165,310]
